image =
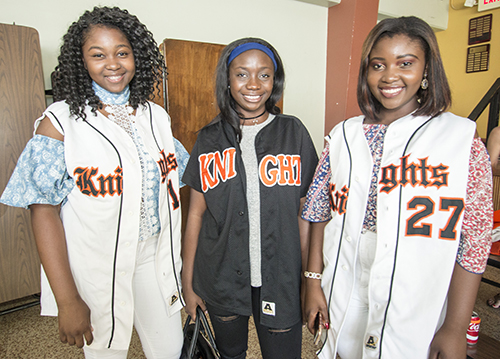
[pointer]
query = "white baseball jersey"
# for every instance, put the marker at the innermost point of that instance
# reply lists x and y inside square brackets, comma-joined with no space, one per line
[420,201]
[101,216]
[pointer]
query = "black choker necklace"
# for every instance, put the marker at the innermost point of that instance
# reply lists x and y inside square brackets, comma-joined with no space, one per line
[251,118]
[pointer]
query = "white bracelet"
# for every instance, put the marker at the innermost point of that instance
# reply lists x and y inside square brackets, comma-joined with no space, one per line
[313,275]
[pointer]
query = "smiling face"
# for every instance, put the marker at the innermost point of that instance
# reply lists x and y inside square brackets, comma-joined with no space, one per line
[108,58]
[395,71]
[251,77]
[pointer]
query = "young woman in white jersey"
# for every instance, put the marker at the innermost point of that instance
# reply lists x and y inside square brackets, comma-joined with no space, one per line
[401,210]
[101,178]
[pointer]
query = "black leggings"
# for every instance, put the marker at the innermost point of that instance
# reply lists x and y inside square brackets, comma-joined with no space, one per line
[231,334]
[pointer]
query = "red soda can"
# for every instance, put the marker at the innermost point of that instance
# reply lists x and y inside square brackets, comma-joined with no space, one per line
[473,331]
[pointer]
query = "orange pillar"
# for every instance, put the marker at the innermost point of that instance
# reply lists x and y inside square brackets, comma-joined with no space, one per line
[348,25]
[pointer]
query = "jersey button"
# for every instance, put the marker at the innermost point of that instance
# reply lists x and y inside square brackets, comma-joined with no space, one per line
[239,272]
[241,213]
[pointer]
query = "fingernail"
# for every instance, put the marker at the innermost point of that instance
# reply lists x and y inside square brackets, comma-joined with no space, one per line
[327,325]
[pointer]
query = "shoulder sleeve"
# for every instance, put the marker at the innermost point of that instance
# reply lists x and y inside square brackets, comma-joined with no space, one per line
[56,113]
[475,241]
[182,158]
[160,112]
[317,206]
[191,176]
[40,176]
[308,160]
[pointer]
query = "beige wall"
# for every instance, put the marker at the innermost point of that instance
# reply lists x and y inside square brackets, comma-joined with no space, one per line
[434,12]
[298,31]
[468,89]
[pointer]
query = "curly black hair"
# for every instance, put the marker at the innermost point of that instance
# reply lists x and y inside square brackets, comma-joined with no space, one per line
[72,82]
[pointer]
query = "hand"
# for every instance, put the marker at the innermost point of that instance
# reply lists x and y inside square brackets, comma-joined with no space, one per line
[74,323]
[192,301]
[315,303]
[448,344]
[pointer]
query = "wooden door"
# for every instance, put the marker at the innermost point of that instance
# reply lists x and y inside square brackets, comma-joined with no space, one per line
[190,92]
[190,86]
[22,100]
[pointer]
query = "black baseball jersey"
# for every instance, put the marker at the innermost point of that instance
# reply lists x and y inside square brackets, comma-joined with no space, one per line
[287,160]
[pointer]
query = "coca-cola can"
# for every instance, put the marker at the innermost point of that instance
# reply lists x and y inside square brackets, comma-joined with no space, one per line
[473,331]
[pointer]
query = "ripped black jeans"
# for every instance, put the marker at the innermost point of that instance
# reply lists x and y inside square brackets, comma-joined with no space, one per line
[231,334]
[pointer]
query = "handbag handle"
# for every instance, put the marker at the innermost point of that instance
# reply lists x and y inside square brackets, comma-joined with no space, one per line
[195,334]
[201,319]
[208,331]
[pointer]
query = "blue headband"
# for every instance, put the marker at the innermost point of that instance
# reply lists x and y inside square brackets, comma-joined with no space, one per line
[238,50]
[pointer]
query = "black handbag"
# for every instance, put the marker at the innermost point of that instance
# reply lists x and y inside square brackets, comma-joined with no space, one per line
[199,342]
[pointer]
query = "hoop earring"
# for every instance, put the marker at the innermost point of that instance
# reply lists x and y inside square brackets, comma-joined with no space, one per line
[425,83]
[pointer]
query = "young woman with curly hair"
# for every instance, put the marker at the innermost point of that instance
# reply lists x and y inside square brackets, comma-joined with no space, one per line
[101,178]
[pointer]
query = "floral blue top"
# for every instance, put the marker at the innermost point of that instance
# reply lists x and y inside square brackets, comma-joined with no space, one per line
[40,176]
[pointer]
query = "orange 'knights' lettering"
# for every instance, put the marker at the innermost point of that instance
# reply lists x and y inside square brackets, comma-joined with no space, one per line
[338,199]
[281,169]
[167,164]
[420,174]
[110,184]
[215,168]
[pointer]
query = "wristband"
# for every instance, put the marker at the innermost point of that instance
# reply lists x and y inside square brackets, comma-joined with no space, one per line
[313,275]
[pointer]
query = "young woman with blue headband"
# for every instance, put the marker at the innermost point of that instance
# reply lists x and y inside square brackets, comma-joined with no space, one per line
[249,173]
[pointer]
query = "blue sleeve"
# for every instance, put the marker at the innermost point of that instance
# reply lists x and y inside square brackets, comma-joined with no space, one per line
[182,159]
[40,176]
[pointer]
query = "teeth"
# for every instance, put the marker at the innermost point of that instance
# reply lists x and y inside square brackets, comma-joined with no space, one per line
[252,97]
[114,78]
[392,90]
